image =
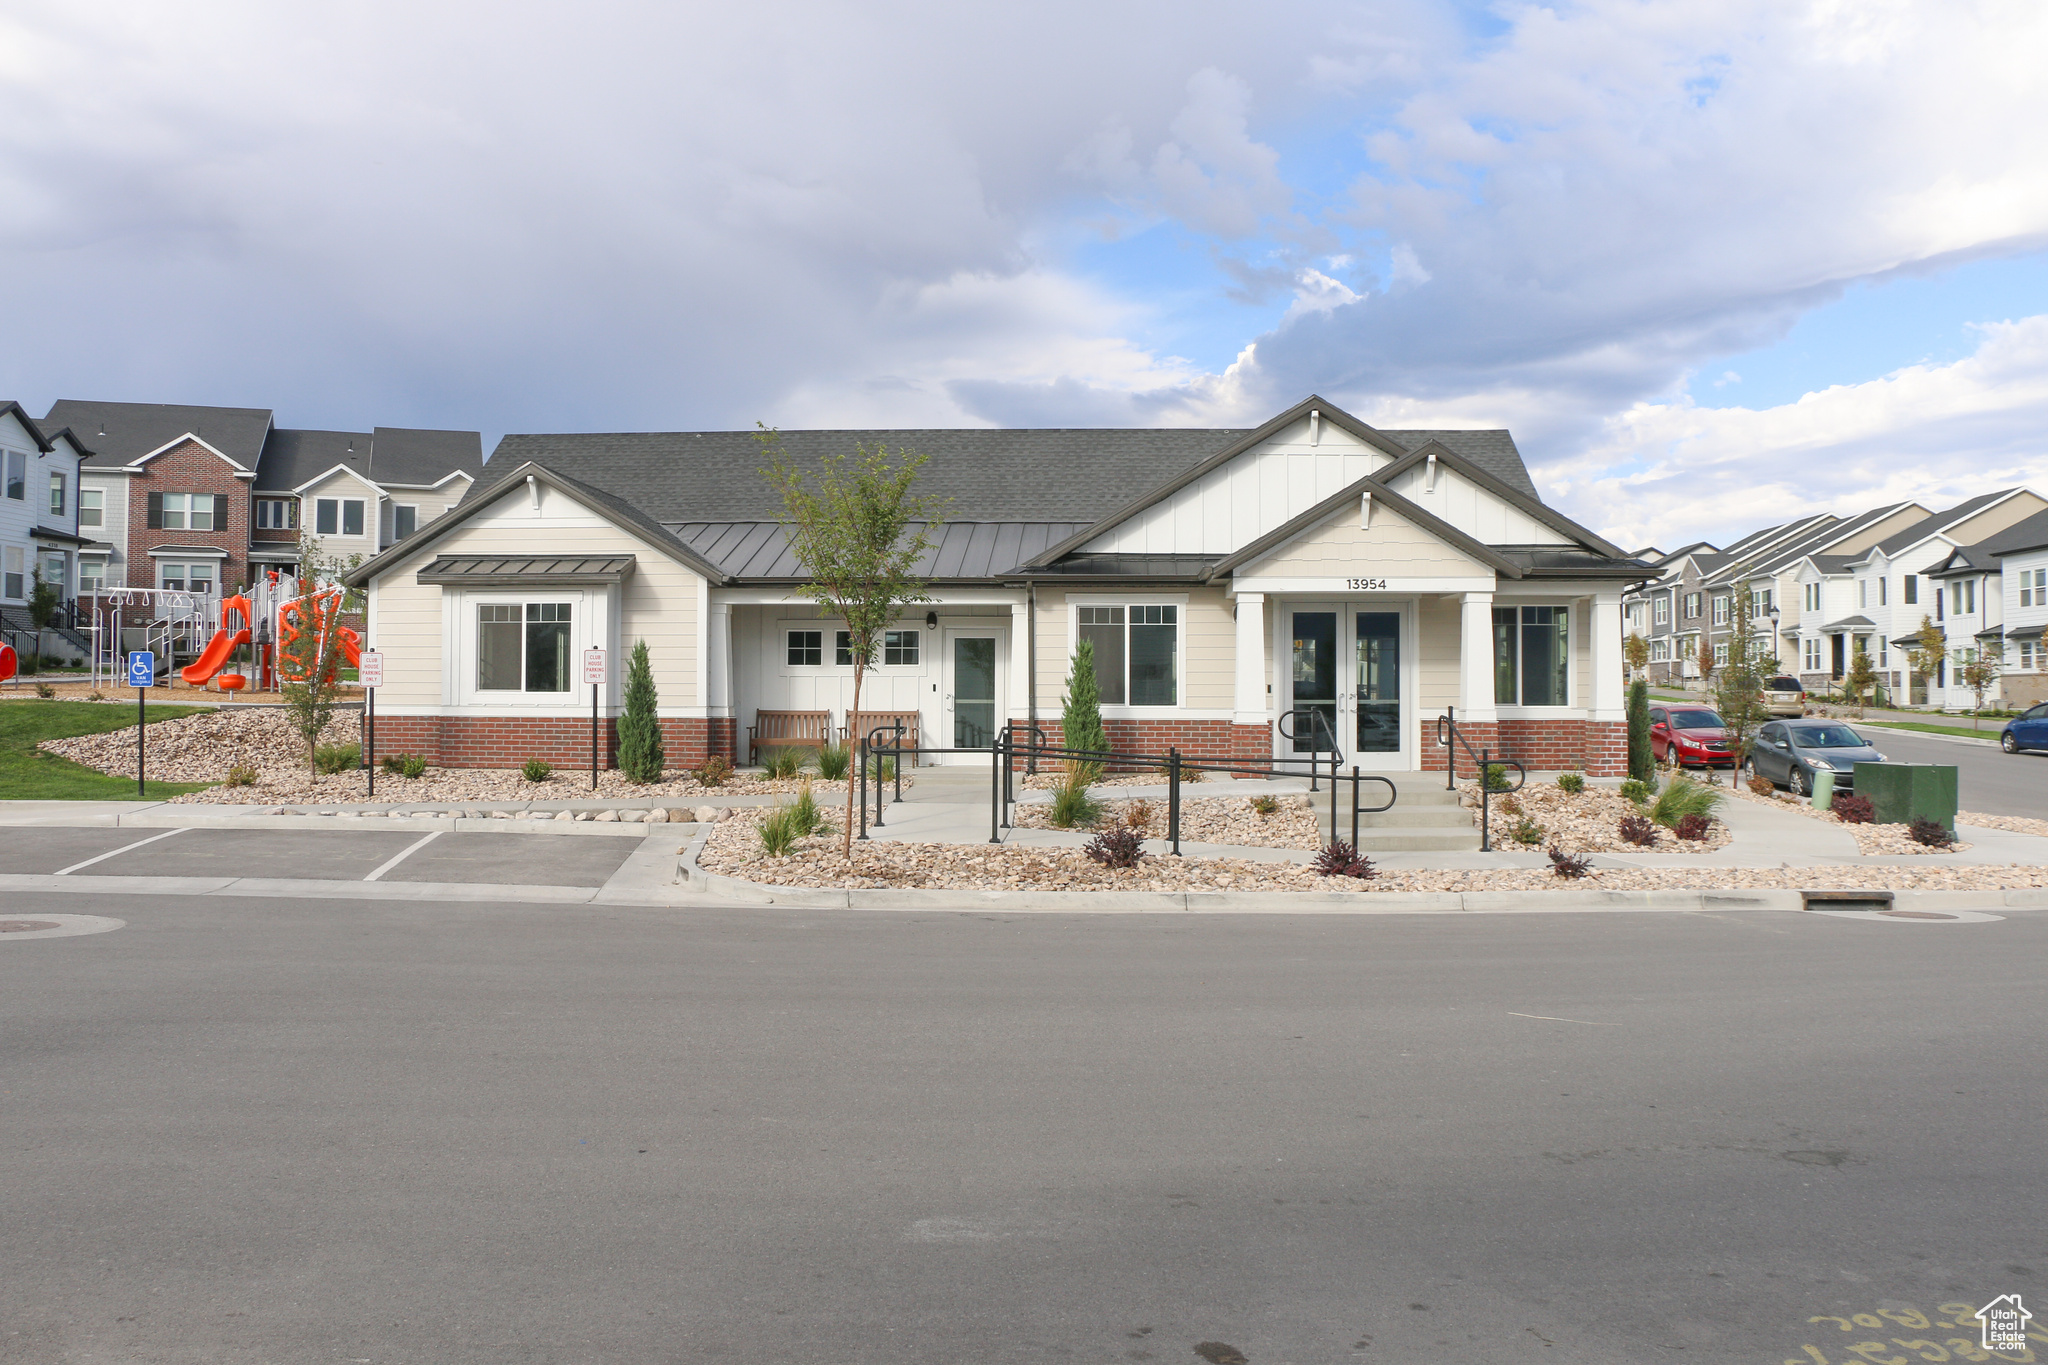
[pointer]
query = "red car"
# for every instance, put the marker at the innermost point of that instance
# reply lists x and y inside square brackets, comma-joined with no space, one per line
[1689,736]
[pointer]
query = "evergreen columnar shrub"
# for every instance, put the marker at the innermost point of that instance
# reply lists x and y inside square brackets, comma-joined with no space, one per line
[1931,833]
[640,751]
[1852,809]
[1636,790]
[1081,716]
[536,770]
[713,771]
[1117,846]
[1571,783]
[833,761]
[1636,830]
[1693,827]
[1641,766]
[1569,865]
[1339,859]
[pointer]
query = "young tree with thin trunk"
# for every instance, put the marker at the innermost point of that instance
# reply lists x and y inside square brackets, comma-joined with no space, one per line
[1860,679]
[1739,690]
[1930,648]
[1635,652]
[309,663]
[1979,673]
[1704,658]
[860,529]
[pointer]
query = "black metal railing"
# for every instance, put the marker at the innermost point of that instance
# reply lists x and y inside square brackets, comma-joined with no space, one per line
[885,743]
[1452,739]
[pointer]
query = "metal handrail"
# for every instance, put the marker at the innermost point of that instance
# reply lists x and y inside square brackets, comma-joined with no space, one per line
[1447,732]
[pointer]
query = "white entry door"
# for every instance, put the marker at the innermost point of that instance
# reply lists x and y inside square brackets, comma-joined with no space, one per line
[1349,662]
[971,708]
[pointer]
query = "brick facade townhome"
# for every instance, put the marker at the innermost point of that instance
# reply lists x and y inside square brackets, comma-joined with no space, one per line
[189,467]
[1224,576]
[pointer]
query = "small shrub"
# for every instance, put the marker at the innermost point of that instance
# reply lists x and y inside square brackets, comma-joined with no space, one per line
[804,816]
[713,771]
[1931,833]
[1682,797]
[1852,809]
[1510,805]
[1138,815]
[1571,783]
[1693,827]
[1339,859]
[1759,785]
[1526,831]
[781,763]
[1071,803]
[1496,777]
[1117,846]
[1193,775]
[1638,831]
[242,775]
[778,831]
[1568,865]
[1265,805]
[881,769]
[412,765]
[95,696]
[391,764]
[536,770]
[1636,791]
[833,762]
[337,758]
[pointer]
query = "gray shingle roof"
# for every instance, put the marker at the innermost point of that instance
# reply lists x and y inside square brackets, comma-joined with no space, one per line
[2031,534]
[1927,526]
[387,456]
[118,433]
[965,549]
[1074,475]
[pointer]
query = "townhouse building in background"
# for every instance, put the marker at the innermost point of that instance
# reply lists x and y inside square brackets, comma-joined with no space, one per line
[39,536]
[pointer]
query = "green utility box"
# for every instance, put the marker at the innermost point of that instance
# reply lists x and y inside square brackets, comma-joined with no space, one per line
[1905,792]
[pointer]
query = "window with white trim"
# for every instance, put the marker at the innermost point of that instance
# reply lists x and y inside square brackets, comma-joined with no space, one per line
[1809,656]
[1137,650]
[899,648]
[1721,654]
[185,575]
[17,477]
[1532,651]
[2030,656]
[1662,609]
[277,514]
[523,646]
[405,519]
[338,516]
[1962,597]
[1883,591]
[92,504]
[2034,587]
[1660,650]
[58,489]
[1721,610]
[13,574]
[92,574]
[1692,606]
[1912,584]
[805,648]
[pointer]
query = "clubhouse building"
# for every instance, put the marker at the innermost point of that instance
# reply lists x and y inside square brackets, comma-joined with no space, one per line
[1226,578]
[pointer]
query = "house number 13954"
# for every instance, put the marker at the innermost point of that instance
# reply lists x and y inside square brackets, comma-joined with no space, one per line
[1366,584]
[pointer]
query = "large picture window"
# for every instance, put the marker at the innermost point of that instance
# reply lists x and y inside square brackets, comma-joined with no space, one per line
[187,512]
[522,646]
[185,577]
[277,514]
[1136,652]
[338,516]
[1532,652]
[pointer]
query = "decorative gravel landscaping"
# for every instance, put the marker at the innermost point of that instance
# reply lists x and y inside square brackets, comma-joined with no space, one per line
[734,850]
[204,746]
[1205,820]
[1587,821]
[2016,824]
[1871,839]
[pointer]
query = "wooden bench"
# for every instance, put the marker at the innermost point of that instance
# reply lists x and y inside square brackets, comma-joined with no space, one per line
[867,722]
[788,730]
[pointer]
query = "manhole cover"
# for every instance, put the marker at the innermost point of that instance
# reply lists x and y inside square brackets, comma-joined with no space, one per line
[23,926]
[1914,914]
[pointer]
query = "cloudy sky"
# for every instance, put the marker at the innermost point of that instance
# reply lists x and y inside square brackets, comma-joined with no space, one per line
[1713,261]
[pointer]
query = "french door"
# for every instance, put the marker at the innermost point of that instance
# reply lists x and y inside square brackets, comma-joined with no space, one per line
[1345,662]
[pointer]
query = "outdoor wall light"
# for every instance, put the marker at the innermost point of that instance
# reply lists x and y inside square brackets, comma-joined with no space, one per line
[931,620]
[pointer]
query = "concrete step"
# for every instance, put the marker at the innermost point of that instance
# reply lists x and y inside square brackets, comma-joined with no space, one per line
[1413,817]
[1417,840]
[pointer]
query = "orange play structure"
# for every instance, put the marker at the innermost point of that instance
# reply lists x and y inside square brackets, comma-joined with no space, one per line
[316,613]
[224,643]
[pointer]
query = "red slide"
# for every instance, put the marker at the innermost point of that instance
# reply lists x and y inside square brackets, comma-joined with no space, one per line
[200,672]
[351,647]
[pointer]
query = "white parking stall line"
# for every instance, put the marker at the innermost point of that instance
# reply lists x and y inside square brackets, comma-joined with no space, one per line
[67,871]
[395,859]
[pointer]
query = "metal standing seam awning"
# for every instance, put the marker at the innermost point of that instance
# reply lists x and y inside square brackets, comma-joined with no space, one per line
[527,571]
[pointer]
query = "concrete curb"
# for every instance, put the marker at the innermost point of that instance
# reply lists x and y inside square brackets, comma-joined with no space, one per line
[1312,902]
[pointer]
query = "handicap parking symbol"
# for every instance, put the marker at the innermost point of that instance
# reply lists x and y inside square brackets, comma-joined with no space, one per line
[142,668]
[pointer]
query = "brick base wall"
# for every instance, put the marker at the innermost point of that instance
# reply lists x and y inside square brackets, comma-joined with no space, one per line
[508,741]
[1597,748]
[1219,740]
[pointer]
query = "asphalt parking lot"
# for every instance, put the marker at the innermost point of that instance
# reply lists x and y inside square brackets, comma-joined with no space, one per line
[318,855]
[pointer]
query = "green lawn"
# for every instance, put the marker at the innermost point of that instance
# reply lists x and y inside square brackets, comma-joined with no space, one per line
[1990,730]
[29,774]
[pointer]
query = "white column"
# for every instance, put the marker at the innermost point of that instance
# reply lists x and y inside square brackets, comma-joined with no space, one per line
[1609,684]
[1019,701]
[718,661]
[1475,660]
[1254,700]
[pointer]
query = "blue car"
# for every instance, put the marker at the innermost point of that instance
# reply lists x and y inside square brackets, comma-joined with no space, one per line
[2027,730]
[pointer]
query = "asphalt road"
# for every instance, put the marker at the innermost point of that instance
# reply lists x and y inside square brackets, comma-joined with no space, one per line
[1986,780]
[388,1132]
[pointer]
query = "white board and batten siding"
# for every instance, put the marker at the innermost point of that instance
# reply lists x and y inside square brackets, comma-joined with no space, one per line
[1481,514]
[419,627]
[1236,503]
